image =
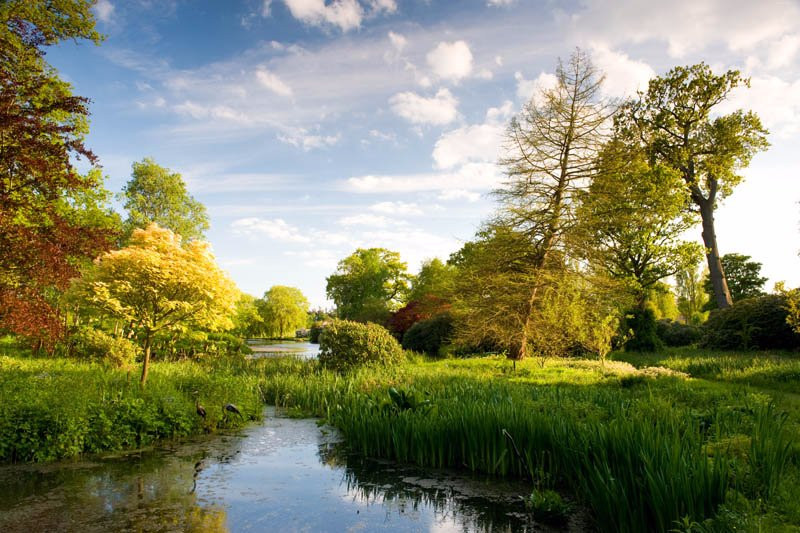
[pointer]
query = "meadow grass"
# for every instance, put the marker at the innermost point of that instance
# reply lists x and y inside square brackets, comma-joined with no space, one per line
[675,444]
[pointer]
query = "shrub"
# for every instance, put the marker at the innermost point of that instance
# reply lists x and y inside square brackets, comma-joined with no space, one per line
[316,329]
[428,336]
[640,324]
[755,323]
[95,345]
[674,333]
[345,344]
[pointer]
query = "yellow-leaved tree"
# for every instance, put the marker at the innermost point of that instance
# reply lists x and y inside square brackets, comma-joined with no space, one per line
[156,284]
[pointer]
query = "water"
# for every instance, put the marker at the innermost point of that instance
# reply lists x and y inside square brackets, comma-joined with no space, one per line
[281,475]
[303,350]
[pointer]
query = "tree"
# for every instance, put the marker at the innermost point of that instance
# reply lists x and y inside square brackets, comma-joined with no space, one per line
[633,215]
[552,149]
[247,321]
[156,194]
[51,216]
[691,296]
[673,121]
[368,285]
[283,310]
[435,279]
[157,284]
[744,279]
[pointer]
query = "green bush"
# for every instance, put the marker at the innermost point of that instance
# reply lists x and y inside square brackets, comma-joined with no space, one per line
[345,344]
[430,335]
[314,331]
[548,507]
[640,325]
[755,324]
[94,345]
[674,333]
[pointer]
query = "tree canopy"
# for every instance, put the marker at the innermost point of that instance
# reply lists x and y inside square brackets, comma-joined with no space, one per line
[156,194]
[744,278]
[156,283]
[283,310]
[368,285]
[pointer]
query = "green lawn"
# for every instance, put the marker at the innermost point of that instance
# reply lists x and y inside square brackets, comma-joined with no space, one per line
[684,440]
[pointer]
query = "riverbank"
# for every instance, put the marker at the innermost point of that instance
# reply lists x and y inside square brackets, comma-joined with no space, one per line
[672,442]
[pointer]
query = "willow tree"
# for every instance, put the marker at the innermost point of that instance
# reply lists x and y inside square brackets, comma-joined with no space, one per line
[157,284]
[283,310]
[551,155]
[674,120]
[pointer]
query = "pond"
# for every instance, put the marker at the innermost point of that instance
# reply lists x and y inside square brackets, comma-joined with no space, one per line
[280,475]
[267,348]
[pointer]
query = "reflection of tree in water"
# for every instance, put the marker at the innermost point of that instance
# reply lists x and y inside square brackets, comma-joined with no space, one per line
[151,492]
[469,503]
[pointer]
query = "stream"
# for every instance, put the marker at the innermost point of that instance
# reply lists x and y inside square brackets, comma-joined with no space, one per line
[279,475]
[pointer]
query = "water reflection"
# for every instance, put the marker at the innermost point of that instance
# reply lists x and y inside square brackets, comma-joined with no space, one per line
[264,348]
[283,475]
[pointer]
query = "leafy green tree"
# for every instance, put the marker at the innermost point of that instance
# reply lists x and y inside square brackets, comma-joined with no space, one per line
[435,279]
[368,285]
[691,296]
[157,284]
[675,120]
[662,301]
[744,279]
[633,215]
[552,153]
[156,194]
[283,310]
[247,321]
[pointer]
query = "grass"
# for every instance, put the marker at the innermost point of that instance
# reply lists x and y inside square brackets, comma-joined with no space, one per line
[677,441]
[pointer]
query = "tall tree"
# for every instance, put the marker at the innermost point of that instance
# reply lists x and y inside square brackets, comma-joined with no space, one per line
[633,214]
[283,310]
[673,119]
[368,285]
[158,284]
[50,214]
[691,296]
[156,194]
[743,275]
[552,150]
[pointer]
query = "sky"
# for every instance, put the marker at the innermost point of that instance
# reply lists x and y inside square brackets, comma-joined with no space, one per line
[310,128]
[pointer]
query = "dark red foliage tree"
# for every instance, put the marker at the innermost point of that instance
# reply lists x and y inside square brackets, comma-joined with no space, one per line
[415,311]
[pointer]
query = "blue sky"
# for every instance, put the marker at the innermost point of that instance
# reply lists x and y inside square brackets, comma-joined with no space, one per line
[310,127]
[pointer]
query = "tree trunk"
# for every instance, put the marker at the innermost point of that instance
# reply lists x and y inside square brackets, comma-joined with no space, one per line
[722,294]
[148,340]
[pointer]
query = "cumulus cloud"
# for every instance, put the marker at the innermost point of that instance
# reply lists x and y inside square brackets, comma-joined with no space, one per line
[272,82]
[527,88]
[450,61]
[776,101]
[398,41]
[438,110]
[300,138]
[275,229]
[624,76]
[396,208]
[104,10]
[473,143]
[343,14]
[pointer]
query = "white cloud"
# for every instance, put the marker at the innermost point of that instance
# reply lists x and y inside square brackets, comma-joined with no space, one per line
[396,208]
[438,110]
[471,176]
[776,101]
[459,194]
[474,143]
[104,10]
[450,61]
[344,14]
[499,3]
[526,89]
[301,139]
[398,41]
[318,258]
[624,76]
[783,50]
[273,82]
[685,25]
[374,221]
[276,229]
[382,6]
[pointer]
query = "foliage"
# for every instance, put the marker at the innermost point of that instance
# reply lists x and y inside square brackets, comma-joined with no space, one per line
[156,194]
[95,345]
[345,345]
[691,296]
[156,284]
[674,333]
[51,216]
[548,507]
[673,119]
[634,214]
[662,301]
[744,279]
[315,331]
[642,327]
[752,324]
[247,321]
[283,311]
[428,336]
[435,282]
[792,307]
[415,311]
[368,284]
